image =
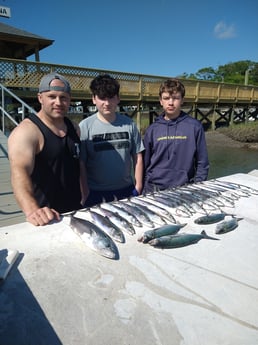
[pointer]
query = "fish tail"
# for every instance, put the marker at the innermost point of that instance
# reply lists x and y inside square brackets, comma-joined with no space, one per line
[237,218]
[204,234]
[69,214]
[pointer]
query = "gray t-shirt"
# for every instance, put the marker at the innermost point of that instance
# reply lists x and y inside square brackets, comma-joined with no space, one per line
[107,150]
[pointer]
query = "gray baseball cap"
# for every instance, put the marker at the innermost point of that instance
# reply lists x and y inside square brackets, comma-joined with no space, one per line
[45,82]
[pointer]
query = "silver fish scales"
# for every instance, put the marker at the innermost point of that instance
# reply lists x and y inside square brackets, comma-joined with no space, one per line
[179,240]
[179,208]
[169,229]
[94,237]
[142,216]
[234,186]
[122,211]
[161,211]
[211,218]
[193,204]
[106,225]
[118,220]
[153,216]
[227,225]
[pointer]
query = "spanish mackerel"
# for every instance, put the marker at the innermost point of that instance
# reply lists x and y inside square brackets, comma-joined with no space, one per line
[118,220]
[179,208]
[153,216]
[106,225]
[236,193]
[124,213]
[187,199]
[142,216]
[217,199]
[234,186]
[179,240]
[94,237]
[161,211]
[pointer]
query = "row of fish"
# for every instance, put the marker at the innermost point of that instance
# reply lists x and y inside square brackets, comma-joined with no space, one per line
[159,211]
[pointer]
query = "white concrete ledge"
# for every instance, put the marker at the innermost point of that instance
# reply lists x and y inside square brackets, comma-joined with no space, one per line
[61,292]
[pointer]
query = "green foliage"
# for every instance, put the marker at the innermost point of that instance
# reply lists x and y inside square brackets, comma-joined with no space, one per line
[234,72]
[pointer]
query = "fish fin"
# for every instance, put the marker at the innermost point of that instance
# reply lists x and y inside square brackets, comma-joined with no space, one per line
[205,235]
[238,219]
[70,213]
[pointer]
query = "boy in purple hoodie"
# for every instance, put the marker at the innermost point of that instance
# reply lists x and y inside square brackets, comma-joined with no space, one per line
[175,145]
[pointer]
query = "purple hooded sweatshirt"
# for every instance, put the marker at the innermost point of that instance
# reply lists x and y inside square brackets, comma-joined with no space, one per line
[175,153]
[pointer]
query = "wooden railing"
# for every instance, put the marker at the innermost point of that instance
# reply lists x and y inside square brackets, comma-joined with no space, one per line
[24,77]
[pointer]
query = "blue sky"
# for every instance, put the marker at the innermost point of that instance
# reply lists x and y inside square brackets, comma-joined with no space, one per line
[156,37]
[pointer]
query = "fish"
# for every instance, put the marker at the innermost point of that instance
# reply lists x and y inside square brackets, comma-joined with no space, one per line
[227,225]
[94,237]
[164,200]
[153,216]
[161,211]
[179,240]
[238,192]
[142,216]
[169,229]
[106,225]
[118,220]
[180,209]
[188,199]
[236,186]
[211,218]
[123,212]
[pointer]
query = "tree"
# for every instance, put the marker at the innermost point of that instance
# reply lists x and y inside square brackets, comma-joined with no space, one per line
[207,73]
[233,72]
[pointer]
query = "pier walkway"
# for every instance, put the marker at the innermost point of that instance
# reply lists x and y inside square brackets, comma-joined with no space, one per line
[10,213]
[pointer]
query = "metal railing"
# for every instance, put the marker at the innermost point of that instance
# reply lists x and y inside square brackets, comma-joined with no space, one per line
[9,117]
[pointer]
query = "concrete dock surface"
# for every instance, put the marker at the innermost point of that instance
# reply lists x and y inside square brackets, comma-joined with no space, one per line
[59,291]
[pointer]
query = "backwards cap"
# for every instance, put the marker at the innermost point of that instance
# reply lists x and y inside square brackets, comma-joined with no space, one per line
[47,79]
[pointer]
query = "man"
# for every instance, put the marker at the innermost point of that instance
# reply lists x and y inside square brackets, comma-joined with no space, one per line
[44,153]
[175,146]
[111,147]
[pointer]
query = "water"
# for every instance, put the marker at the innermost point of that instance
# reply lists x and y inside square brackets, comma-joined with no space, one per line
[228,161]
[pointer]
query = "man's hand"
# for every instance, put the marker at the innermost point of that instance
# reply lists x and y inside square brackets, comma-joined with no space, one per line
[42,216]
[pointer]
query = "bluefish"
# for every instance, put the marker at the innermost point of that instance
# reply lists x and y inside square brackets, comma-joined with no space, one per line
[94,237]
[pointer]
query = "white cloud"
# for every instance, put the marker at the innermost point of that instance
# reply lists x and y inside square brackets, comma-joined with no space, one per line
[224,31]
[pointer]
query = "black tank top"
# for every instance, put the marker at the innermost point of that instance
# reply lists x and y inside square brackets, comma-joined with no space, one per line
[57,169]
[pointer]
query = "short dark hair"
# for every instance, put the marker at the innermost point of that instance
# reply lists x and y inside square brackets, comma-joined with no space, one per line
[171,86]
[104,86]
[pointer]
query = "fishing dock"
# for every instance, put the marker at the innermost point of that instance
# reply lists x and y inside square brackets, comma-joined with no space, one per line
[60,292]
[215,104]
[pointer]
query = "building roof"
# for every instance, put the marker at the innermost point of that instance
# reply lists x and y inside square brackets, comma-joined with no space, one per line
[20,44]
